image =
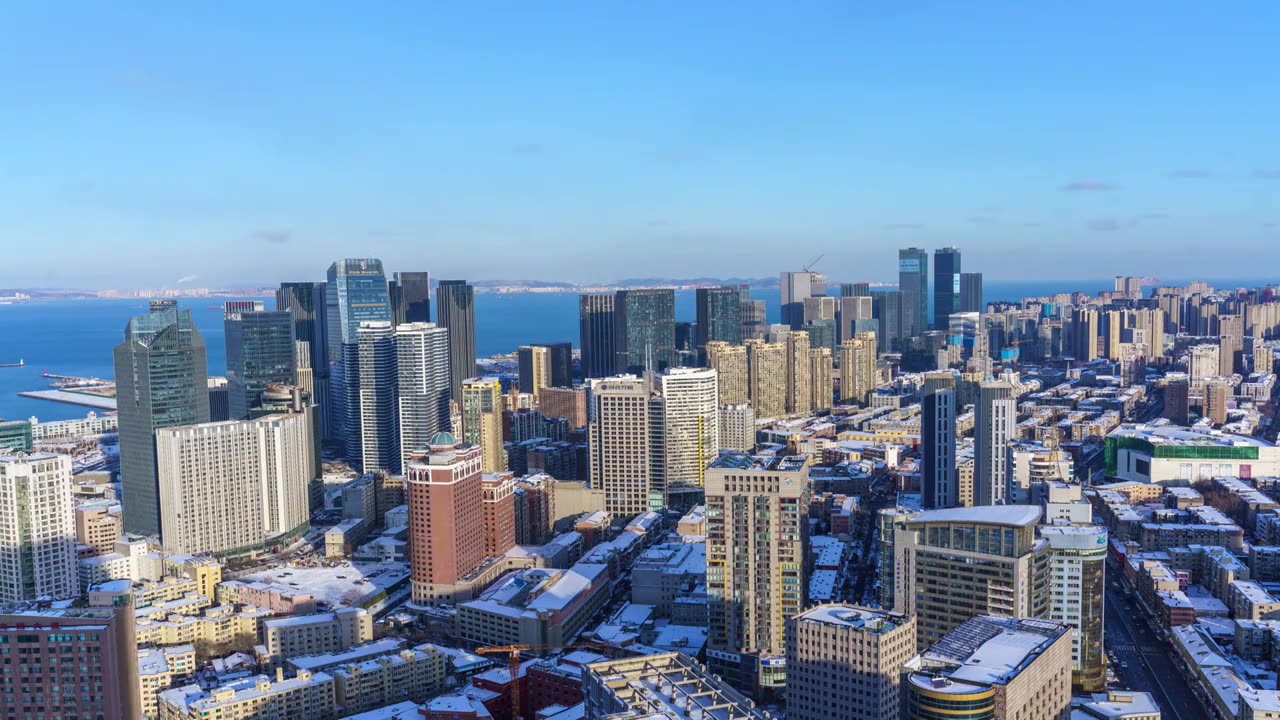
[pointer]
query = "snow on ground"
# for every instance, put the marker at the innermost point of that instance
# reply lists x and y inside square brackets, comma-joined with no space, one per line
[345,584]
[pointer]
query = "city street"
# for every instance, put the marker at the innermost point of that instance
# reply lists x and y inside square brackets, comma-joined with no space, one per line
[1129,637]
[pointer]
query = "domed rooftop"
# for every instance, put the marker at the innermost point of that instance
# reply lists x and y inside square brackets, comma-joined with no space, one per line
[443,439]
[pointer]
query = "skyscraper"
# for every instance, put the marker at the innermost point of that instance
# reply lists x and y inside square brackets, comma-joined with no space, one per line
[595,322]
[619,440]
[752,318]
[482,406]
[561,359]
[970,292]
[730,364]
[757,578]
[305,302]
[995,420]
[857,314]
[719,317]
[534,366]
[1077,560]
[1084,328]
[913,283]
[455,312]
[767,378]
[444,492]
[356,292]
[1231,342]
[938,480]
[858,368]
[233,488]
[799,381]
[886,306]
[161,381]
[947,286]
[858,289]
[38,556]
[737,428]
[794,288]
[410,294]
[821,381]
[260,351]
[422,363]
[379,414]
[644,330]
[690,433]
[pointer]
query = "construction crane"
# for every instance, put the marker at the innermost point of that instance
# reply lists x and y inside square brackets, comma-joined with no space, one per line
[513,661]
[815,262]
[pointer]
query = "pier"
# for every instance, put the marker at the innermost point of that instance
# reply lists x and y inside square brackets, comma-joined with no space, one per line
[71,398]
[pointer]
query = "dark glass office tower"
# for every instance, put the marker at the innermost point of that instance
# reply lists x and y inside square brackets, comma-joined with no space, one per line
[456,312]
[410,294]
[752,318]
[886,306]
[561,363]
[162,380]
[719,317]
[305,302]
[595,324]
[644,323]
[859,289]
[356,292]
[913,283]
[260,351]
[970,292]
[946,286]
[939,481]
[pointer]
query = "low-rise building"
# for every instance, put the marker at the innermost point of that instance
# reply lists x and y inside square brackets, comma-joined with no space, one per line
[670,685]
[313,634]
[303,697]
[409,674]
[279,599]
[843,661]
[536,606]
[157,670]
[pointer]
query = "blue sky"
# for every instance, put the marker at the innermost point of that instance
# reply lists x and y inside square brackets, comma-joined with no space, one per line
[255,142]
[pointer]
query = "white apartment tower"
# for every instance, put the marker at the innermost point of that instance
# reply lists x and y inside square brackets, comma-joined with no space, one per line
[37,523]
[995,420]
[619,443]
[422,360]
[690,427]
[737,427]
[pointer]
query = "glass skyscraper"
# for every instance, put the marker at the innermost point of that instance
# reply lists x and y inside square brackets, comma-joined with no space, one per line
[913,283]
[886,307]
[162,380]
[456,311]
[645,330]
[356,292]
[410,297]
[260,351]
[305,302]
[595,325]
[719,317]
[970,292]
[946,286]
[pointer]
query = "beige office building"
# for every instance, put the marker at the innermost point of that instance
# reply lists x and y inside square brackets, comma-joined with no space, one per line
[619,441]
[757,578]
[234,487]
[482,406]
[843,663]
[951,565]
[730,363]
[767,378]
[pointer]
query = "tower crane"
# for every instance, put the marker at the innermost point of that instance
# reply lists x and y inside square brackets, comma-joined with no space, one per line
[513,661]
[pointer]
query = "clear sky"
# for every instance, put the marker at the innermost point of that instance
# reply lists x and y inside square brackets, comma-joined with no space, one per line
[141,142]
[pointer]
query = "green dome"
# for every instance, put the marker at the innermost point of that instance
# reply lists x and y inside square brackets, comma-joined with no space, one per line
[443,438]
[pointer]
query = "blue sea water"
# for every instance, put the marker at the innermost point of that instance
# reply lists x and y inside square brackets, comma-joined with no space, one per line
[76,337]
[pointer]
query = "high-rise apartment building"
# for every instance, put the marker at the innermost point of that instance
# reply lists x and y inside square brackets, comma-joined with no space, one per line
[821,380]
[568,403]
[356,292]
[753,318]
[374,443]
[767,378]
[410,294]
[730,364]
[757,576]
[260,351]
[445,493]
[619,441]
[799,381]
[1177,399]
[995,421]
[1216,395]
[913,283]
[595,322]
[946,285]
[997,668]
[939,482]
[236,487]
[690,436]
[858,368]
[534,368]
[1231,342]
[305,303]
[950,565]
[482,406]
[971,292]
[719,317]
[644,330]
[737,428]
[498,512]
[38,557]
[1202,364]
[74,662]
[422,381]
[843,663]
[161,381]
[1077,560]
[1085,330]
[456,312]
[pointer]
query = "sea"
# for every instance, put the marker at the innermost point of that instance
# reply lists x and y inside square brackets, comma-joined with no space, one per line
[75,337]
